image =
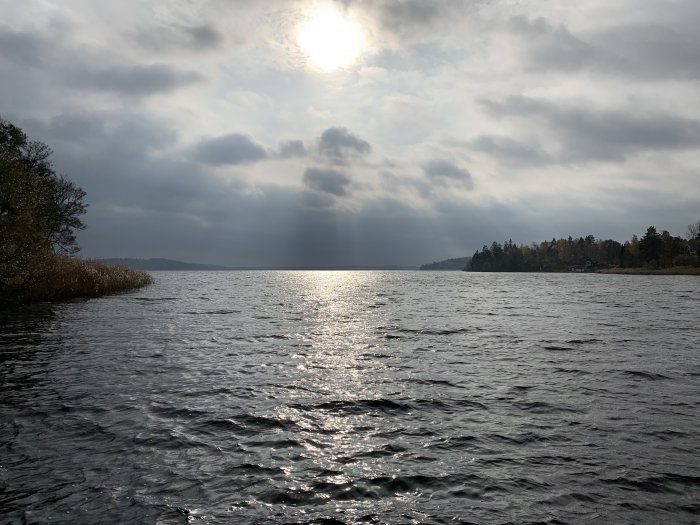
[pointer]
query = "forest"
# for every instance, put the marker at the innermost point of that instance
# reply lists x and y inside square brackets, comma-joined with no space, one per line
[653,250]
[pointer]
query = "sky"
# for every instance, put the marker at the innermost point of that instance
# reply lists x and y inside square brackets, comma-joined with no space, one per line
[358,132]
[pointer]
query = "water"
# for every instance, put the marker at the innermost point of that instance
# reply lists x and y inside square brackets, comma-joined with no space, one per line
[356,397]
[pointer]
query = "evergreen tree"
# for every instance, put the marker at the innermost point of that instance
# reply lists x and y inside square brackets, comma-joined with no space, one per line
[650,246]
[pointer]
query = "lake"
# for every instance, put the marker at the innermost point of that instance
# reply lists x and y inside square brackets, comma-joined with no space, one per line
[356,397]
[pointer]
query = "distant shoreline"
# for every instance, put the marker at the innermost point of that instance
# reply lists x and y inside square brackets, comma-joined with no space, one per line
[300,269]
[171,265]
[673,270]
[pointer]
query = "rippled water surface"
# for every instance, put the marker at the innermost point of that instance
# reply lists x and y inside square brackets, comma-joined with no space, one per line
[356,397]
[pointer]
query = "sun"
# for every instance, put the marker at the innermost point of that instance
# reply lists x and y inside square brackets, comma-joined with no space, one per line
[331,41]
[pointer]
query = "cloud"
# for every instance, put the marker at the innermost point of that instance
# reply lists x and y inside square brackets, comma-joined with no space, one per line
[194,38]
[652,51]
[291,148]
[117,143]
[23,49]
[316,200]
[134,79]
[646,50]
[511,151]
[232,149]
[337,143]
[409,15]
[551,47]
[442,171]
[58,60]
[204,36]
[586,135]
[407,22]
[327,181]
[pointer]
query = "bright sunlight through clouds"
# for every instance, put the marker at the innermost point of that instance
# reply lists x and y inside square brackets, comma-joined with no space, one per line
[330,40]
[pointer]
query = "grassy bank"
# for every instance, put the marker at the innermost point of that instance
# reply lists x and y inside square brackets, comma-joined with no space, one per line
[70,278]
[675,270]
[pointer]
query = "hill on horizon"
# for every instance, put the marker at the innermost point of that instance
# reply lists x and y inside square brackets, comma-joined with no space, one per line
[457,263]
[160,264]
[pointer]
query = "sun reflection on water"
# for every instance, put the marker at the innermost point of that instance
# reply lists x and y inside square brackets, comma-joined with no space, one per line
[337,370]
[338,325]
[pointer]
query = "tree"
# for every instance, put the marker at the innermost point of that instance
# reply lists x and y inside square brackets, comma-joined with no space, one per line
[39,209]
[650,246]
[693,236]
[609,252]
[693,231]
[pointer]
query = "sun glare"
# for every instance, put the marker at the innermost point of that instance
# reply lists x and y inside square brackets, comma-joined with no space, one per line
[331,41]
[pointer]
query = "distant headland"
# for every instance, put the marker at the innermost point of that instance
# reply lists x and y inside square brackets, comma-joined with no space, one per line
[158,264]
[455,264]
[652,254]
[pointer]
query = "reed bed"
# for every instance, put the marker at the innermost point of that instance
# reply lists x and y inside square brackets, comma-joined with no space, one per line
[80,278]
[70,278]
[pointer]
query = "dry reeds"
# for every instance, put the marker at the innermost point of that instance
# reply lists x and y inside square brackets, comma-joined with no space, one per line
[69,278]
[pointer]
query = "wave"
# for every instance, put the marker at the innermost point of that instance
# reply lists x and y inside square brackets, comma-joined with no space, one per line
[643,375]
[355,406]
[214,312]
[425,331]
[669,483]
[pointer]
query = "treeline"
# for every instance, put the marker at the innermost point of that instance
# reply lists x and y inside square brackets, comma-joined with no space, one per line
[654,250]
[40,212]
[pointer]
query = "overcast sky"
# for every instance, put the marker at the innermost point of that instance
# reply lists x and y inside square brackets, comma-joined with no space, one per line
[202,130]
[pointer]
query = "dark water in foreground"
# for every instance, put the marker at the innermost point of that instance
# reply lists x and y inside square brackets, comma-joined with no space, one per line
[356,397]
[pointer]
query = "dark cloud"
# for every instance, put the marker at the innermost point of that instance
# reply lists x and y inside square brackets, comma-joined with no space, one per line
[511,151]
[653,51]
[291,148]
[647,51]
[552,46]
[193,38]
[233,149]
[64,66]
[23,49]
[134,79]
[408,21]
[337,143]
[126,133]
[204,36]
[275,230]
[408,15]
[327,181]
[317,200]
[442,171]
[588,135]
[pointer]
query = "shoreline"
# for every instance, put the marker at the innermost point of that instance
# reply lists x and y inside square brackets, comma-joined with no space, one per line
[674,270]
